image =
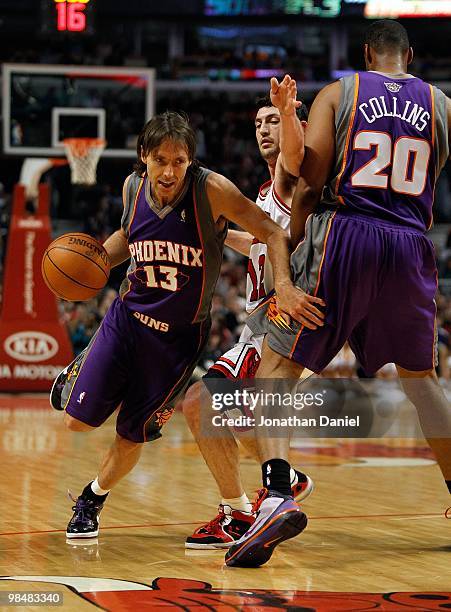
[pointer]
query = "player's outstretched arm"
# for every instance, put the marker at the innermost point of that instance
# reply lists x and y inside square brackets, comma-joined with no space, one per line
[227,201]
[284,98]
[318,160]
[239,241]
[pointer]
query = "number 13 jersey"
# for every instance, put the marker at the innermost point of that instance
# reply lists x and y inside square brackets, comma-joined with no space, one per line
[391,142]
[259,271]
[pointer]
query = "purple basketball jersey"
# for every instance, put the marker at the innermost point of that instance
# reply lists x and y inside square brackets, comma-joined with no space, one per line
[176,254]
[388,163]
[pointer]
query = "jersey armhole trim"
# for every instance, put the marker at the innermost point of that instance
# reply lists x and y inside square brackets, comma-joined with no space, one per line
[280,203]
[201,238]
[348,135]
[431,89]
[262,187]
[138,191]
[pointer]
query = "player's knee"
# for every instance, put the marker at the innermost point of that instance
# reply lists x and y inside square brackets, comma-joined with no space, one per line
[126,447]
[75,424]
[405,374]
[191,403]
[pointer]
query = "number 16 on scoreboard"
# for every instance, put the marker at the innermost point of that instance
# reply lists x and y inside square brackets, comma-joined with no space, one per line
[71,15]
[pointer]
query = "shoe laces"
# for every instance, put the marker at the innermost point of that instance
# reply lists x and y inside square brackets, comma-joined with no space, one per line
[217,520]
[82,507]
[261,495]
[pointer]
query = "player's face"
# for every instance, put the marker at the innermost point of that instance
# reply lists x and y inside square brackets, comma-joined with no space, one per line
[166,168]
[267,129]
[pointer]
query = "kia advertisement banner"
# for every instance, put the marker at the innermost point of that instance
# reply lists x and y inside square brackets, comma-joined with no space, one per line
[34,345]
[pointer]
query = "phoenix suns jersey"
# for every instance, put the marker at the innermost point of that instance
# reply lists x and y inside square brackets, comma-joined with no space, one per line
[260,280]
[176,253]
[391,143]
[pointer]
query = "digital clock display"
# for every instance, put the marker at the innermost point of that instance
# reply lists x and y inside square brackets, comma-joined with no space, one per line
[70,16]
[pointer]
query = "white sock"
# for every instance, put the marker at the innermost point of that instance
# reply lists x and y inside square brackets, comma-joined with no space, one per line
[293,477]
[238,503]
[97,489]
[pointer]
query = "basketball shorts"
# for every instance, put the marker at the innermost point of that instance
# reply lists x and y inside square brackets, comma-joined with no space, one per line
[378,281]
[137,369]
[241,361]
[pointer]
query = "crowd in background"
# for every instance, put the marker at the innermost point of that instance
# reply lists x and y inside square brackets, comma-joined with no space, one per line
[214,63]
[224,124]
[228,306]
[217,62]
[226,142]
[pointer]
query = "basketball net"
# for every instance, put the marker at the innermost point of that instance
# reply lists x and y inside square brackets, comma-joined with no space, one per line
[83,155]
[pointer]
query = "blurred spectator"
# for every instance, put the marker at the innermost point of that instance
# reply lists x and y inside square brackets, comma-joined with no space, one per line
[83,324]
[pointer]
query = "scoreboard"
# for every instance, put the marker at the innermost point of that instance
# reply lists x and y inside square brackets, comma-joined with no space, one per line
[329,8]
[407,8]
[307,8]
[67,16]
[77,16]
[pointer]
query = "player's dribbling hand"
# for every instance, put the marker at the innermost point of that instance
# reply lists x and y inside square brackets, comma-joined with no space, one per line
[294,303]
[283,95]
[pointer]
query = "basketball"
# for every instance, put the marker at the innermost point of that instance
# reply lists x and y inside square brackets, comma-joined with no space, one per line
[75,267]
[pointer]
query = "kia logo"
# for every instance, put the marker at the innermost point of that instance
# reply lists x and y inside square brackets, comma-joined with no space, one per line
[31,346]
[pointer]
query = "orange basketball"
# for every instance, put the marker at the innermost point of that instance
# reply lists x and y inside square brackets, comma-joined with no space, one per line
[75,267]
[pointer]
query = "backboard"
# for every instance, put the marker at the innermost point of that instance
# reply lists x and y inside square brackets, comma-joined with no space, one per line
[44,104]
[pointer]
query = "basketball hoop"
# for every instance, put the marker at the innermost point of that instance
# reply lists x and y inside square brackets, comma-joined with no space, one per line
[83,155]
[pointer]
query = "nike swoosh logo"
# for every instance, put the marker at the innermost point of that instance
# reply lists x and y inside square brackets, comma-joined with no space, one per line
[268,544]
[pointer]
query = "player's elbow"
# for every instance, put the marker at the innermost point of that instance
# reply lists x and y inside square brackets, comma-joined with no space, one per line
[309,195]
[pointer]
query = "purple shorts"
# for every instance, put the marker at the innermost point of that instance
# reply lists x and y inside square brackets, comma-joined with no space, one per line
[138,369]
[378,281]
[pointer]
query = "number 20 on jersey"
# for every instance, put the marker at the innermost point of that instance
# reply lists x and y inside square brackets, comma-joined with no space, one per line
[409,159]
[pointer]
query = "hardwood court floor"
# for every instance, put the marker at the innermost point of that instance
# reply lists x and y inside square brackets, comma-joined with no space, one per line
[376,525]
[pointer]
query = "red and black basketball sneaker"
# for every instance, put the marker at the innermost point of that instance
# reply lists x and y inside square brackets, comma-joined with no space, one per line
[223,531]
[301,485]
[229,525]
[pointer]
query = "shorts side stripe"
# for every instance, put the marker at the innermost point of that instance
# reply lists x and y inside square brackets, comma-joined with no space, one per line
[88,350]
[296,340]
[188,367]
[435,337]
[264,302]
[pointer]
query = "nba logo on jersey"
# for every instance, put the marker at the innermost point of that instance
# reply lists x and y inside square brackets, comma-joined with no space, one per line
[81,397]
[393,87]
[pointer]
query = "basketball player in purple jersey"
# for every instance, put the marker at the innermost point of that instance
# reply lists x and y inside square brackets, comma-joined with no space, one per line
[279,128]
[376,143]
[142,357]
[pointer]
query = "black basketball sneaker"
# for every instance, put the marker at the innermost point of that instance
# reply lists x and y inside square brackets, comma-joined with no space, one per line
[85,520]
[59,382]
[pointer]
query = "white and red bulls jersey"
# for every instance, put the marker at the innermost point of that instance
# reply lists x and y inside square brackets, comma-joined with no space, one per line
[259,270]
